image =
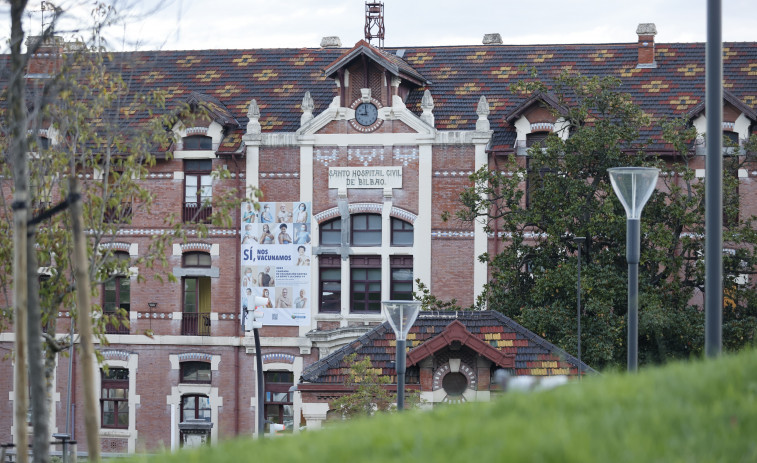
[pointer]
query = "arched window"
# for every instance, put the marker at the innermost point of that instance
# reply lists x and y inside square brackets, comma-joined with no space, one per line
[331,233]
[402,233]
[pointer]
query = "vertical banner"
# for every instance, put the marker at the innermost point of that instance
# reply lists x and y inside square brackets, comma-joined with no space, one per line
[276,255]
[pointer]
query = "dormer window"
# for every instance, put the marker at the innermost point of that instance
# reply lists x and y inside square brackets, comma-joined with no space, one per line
[197,143]
[535,137]
[730,139]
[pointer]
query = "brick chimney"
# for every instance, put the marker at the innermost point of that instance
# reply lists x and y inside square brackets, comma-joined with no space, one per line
[47,59]
[646,33]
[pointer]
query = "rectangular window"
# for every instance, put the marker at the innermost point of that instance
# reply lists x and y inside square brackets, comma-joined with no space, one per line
[195,319]
[195,372]
[365,280]
[116,295]
[278,398]
[122,212]
[198,190]
[197,142]
[195,407]
[366,230]
[330,284]
[114,398]
[402,278]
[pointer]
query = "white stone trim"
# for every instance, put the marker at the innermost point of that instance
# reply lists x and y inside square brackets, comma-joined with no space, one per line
[131,433]
[422,224]
[315,414]
[173,400]
[480,239]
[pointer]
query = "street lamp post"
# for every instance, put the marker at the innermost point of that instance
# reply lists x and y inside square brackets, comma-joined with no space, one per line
[580,243]
[253,322]
[633,186]
[401,316]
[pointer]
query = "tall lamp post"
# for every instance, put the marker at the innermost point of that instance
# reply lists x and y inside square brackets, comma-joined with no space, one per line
[579,244]
[401,315]
[633,186]
[253,322]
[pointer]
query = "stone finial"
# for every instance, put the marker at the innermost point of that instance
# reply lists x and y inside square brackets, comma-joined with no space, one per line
[253,113]
[492,39]
[307,109]
[365,95]
[427,105]
[482,124]
[331,42]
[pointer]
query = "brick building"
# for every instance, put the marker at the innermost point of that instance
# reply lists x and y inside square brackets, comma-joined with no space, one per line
[372,145]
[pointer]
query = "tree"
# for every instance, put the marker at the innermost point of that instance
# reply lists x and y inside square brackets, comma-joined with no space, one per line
[533,279]
[101,128]
[371,393]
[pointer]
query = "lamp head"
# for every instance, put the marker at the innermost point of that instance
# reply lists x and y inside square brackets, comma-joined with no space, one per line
[633,186]
[401,316]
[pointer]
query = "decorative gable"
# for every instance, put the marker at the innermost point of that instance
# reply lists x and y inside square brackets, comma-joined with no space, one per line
[456,332]
[367,67]
[542,112]
[738,118]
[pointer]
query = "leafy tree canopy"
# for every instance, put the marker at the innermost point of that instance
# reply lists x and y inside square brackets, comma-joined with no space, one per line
[568,194]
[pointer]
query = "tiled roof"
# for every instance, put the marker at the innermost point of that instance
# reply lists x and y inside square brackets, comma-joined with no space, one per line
[533,355]
[459,75]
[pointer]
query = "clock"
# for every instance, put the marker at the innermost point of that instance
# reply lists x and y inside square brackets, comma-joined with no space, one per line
[366,114]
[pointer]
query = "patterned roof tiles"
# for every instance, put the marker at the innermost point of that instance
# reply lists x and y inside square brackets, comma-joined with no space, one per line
[459,75]
[499,331]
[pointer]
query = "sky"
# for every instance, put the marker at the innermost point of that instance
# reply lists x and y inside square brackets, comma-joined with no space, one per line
[209,24]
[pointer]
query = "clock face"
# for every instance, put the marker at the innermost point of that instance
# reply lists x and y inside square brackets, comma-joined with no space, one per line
[366,114]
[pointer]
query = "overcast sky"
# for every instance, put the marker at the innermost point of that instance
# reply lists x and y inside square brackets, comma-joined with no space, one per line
[204,24]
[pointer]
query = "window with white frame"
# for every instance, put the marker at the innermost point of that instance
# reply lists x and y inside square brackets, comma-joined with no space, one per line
[363,278]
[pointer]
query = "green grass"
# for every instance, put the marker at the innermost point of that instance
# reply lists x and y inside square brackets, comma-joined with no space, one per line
[683,412]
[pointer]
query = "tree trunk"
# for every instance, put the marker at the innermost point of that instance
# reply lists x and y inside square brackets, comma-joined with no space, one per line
[37,380]
[83,299]
[18,149]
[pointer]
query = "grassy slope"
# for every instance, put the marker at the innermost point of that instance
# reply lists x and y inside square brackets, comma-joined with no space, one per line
[697,411]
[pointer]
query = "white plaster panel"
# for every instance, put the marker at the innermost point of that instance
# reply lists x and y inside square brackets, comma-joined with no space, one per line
[480,238]
[523,128]
[741,126]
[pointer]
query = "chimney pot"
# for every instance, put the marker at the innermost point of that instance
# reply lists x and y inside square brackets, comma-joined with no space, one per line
[331,42]
[492,39]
